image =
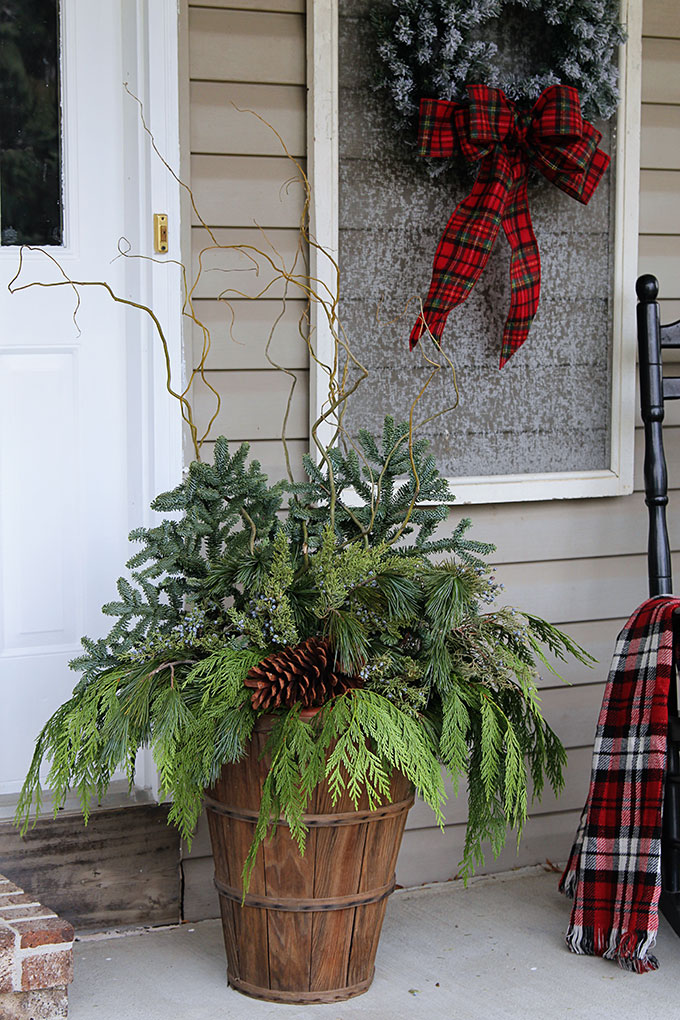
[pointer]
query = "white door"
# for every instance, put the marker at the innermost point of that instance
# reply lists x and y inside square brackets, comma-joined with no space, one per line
[86,432]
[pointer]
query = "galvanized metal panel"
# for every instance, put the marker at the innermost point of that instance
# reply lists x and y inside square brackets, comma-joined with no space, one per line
[549,409]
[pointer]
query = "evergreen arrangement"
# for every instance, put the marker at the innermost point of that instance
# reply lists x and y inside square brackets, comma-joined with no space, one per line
[434,48]
[337,593]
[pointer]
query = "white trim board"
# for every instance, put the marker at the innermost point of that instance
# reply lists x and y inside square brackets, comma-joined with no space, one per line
[322,169]
[322,28]
[154,464]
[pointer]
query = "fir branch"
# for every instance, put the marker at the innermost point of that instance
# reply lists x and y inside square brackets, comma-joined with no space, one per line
[445,680]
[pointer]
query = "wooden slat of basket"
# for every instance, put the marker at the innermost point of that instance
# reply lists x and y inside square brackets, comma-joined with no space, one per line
[250,924]
[380,855]
[339,858]
[290,934]
[217,838]
[368,923]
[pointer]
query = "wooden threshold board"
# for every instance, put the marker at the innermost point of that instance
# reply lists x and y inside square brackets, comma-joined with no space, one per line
[120,869]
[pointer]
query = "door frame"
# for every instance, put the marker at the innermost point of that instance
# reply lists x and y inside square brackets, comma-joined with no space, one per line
[154,76]
[156,46]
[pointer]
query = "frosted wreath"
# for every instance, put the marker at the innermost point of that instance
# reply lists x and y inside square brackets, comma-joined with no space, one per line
[439,47]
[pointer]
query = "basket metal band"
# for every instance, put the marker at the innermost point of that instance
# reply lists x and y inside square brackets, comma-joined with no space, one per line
[316,821]
[279,995]
[297,905]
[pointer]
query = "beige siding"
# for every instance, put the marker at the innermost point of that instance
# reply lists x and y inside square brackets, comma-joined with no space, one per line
[660,140]
[232,45]
[581,563]
[217,120]
[248,57]
[275,6]
[660,80]
[660,18]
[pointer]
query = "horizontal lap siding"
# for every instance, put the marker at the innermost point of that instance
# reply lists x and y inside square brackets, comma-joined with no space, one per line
[275,6]
[580,563]
[218,118]
[247,71]
[232,45]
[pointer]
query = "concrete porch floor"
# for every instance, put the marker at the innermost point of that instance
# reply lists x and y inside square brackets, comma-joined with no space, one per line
[493,950]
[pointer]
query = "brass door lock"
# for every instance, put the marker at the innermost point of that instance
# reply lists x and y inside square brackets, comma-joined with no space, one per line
[160,232]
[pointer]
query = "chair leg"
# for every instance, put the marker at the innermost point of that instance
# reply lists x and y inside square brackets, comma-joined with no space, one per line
[669,903]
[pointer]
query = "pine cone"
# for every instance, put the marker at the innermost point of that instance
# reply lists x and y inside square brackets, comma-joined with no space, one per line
[305,675]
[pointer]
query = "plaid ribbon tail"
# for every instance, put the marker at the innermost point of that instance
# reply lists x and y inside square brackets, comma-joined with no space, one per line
[525,269]
[465,245]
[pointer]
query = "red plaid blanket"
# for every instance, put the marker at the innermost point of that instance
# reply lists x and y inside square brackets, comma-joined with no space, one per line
[614,871]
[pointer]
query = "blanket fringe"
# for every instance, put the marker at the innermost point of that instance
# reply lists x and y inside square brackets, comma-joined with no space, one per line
[568,883]
[630,951]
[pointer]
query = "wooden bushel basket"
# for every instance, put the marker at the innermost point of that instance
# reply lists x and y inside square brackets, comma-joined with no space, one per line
[309,928]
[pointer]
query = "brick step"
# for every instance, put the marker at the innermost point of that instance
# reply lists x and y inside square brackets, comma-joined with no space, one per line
[36,958]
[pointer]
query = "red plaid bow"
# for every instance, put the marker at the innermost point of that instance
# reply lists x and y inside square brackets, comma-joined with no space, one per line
[505,142]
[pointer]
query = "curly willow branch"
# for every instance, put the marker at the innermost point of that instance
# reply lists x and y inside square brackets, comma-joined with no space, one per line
[14,288]
[345,373]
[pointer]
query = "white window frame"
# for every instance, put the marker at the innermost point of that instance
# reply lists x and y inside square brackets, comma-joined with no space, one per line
[322,42]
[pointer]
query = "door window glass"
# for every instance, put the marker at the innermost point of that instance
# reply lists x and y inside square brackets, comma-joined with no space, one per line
[30,123]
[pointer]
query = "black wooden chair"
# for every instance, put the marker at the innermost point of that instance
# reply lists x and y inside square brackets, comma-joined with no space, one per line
[653,338]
